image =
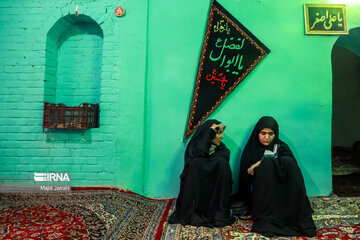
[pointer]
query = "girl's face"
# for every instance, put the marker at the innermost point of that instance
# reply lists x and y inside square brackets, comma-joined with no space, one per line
[219,136]
[266,136]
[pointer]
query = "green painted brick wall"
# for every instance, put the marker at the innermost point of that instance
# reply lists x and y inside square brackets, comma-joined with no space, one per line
[143,82]
[102,73]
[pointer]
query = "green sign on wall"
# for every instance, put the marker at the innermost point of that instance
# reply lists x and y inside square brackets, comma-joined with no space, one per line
[329,19]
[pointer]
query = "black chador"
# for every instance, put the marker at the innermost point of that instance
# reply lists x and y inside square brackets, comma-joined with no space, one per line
[275,193]
[205,187]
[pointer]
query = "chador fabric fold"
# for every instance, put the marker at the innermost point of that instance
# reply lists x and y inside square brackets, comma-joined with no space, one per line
[272,186]
[205,183]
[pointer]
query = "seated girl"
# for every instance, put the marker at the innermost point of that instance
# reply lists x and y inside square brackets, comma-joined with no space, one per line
[205,187]
[272,186]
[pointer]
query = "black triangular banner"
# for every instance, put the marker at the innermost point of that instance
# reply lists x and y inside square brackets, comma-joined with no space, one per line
[229,53]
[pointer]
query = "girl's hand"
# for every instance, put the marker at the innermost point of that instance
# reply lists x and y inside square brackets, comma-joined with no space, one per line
[252,167]
[251,170]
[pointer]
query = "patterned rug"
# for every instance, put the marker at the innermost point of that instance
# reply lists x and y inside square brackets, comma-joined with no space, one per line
[335,218]
[81,214]
[104,214]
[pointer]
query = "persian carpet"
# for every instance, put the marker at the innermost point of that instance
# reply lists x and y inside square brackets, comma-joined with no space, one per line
[335,218]
[81,214]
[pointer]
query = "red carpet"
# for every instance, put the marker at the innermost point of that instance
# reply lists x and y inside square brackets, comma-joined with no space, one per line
[81,214]
[115,214]
[42,221]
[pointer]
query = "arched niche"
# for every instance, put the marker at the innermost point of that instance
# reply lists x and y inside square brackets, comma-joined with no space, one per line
[73,66]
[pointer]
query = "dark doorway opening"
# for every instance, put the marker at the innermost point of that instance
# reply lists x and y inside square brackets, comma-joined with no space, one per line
[345,145]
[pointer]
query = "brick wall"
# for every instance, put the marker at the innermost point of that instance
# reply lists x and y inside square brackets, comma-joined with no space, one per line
[96,66]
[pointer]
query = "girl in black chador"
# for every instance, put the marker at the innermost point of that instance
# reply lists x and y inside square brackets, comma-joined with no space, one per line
[205,187]
[272,186]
